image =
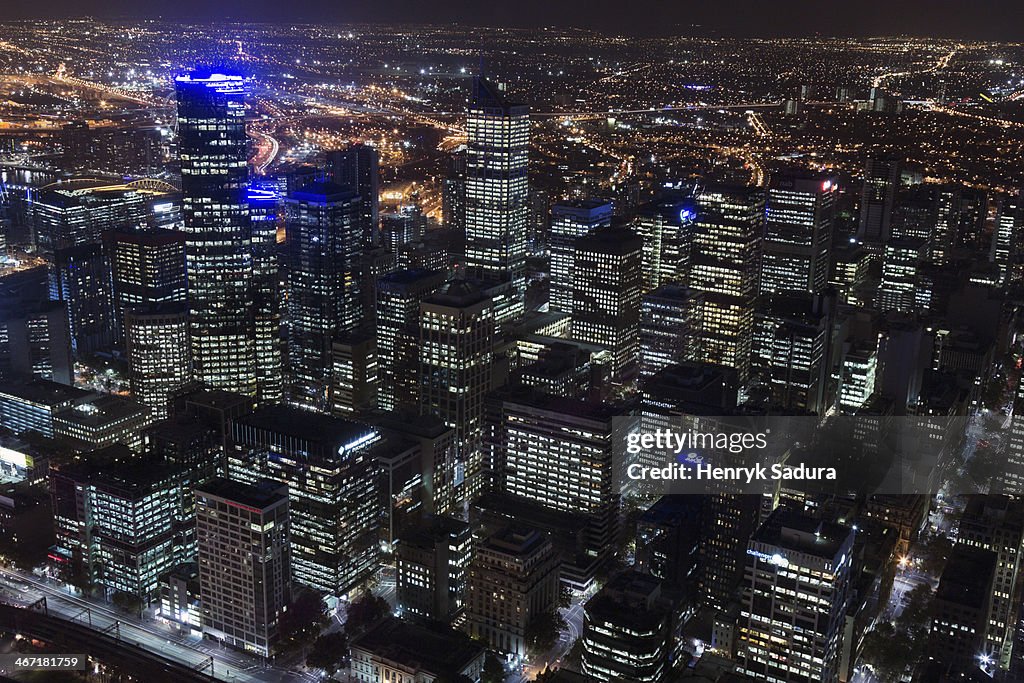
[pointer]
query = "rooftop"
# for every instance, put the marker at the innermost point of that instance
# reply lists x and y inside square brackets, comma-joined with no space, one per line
[436,649]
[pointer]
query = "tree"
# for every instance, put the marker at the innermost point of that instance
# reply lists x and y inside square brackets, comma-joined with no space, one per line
[129,602]
[329,652]
[543,630]
[936,553]
[303,619]
[364,612]
[564,597]
[914,618]
[493,671]
[889,652]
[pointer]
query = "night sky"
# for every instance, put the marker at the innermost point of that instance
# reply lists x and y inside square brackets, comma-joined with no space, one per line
[982,19]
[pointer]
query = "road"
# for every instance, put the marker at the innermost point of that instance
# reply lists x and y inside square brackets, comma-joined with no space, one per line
[19,588]
[573,616]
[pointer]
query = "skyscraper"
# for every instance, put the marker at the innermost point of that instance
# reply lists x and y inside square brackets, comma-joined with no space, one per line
[799,221]
[244,562]
[218,243]
[146,268]
[666,227]
[606,295]
[456,340]
[557,452]
[878,196]
[497,195]
[323,285]
[80,277]
[569,222]
[357,168]
[724,267]
[156,341]
[796,592]
[266,208]
[513,579]
[669,328]
[332,475]
[398,334]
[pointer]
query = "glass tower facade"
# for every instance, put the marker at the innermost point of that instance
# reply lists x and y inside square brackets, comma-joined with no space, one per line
[218,251]
[497,194]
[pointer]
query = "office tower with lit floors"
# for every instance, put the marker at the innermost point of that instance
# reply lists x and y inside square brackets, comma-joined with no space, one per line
[669,328]
[877,200]
[456,349]
[357,168]
[513,579]
[323,252]
[156,344]
[556,453]
[666,227]
[331,468]
[569,222]
[80,277]
[398,334]
[497,196]
[724,267]
[146,268]
[244,562]
[607,282]
[266,209]
[799,221]
[796,592]
[218,245]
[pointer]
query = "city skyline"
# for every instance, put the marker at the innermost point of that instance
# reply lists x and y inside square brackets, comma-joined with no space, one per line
[429,353]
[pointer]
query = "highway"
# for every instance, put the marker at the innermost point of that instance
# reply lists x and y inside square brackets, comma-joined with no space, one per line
[18,588]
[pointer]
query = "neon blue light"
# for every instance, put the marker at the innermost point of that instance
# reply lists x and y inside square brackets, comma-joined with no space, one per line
[687,215]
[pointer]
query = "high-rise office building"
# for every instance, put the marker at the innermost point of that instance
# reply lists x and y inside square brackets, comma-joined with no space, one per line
[796,592]
[497,195]
[799,222]
[357,168]
[629,631]
[456,347]
[996,523]
[323,255]
[431,561]
[146,267]
[80,277]
[332,475]
[398,334]
[513,578]
[354,374]
[724,266]
[120,522]
[1007,236]
[960,609]
[557,452]
[606,295]
[569,222]
[669,328]
[792,341]
[244,562]
[266,209]
[666,227]
[156,344]
[218,242]
[877,199]
[901,262]
[34,331]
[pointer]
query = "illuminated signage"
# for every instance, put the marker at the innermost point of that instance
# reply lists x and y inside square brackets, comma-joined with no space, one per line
[776,559]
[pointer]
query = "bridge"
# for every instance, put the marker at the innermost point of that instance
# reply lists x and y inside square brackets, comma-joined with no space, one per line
[107,646]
